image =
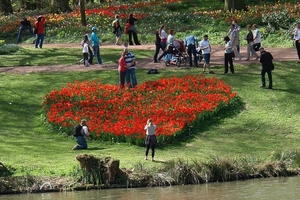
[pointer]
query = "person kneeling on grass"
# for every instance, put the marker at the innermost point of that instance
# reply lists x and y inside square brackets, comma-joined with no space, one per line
[79,132]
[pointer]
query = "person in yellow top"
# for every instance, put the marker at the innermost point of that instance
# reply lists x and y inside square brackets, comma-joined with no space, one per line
[117,29]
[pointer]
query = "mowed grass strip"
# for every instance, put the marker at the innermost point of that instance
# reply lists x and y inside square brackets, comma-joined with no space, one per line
[269,122]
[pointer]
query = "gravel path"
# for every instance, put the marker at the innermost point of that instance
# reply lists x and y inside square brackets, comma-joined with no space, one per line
[217,59]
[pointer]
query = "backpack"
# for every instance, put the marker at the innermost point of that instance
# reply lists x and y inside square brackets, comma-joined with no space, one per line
[77,131]
[153,71]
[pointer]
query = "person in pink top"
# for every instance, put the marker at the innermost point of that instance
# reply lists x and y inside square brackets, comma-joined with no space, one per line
[122,70]
[39,25]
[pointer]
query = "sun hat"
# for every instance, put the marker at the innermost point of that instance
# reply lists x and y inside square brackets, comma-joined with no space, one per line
[94,28]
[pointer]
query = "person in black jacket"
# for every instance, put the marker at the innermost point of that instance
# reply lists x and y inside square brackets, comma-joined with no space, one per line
[267,67]
[132,30]
[24,25]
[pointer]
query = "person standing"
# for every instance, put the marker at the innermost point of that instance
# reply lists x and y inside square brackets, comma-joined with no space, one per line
[131,66]
[205,47]
[297,39]
[151,140]
[25,25]
[122,70]
[117,29]
[228,55]
[85,51]
[234,38]
[132,30]
[256,38]
[39,25]
[250,43]
[95,44]
[80,131]
[266,60]
[190,42]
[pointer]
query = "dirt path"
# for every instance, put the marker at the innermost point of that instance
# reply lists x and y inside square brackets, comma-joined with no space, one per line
[217,59]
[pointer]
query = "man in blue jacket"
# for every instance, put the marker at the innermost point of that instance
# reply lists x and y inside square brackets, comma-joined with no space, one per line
[95,44]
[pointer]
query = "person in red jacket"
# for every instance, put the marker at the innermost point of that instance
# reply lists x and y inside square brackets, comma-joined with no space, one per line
[39,25]
[122,70]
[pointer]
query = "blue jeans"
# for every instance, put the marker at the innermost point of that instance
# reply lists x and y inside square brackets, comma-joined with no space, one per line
[131,72]
[23,28]
[96,52]
[163,46]
[192,51]
[81,142]
[39,40]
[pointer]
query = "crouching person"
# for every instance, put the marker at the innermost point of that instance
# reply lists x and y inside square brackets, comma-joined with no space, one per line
[80,131]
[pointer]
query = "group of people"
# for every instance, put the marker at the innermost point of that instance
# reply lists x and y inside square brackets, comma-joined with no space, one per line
[81,132]
[38,30]
[231,49]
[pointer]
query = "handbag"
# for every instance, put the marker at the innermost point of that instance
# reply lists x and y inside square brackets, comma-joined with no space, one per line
[35,31]
[232,54]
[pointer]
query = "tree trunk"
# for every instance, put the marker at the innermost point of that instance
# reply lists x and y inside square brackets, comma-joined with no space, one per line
[58,6]
[6,7]
[82,12]
[233,5]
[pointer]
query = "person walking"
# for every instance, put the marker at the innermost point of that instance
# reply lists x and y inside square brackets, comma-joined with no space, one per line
[238,29]
[85,51]
[160,42]
[234,38]
[122,70]
[205,47]
[151,140]
[131,66]
[297,39]
[132,30]
[228,55]
[250,43]
[117,29]
[190,42]
[79,132]
[25,25]
[266,60]
[256,38]
[39,25]
[95,44]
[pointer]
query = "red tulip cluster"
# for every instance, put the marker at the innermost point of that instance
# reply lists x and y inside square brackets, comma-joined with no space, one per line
[172,103]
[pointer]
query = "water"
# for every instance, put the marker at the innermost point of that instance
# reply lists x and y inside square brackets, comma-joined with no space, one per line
[258,189]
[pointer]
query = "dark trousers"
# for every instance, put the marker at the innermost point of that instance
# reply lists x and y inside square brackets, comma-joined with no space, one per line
[297,44]
[85,58]
[136,41]
[228,59]
[192,50]
[159,46]
[152,149]
[263,80]
[122,78]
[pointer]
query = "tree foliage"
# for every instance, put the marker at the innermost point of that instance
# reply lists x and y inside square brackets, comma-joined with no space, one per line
[233,5]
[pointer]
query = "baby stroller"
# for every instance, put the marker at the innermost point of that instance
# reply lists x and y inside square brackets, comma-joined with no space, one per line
[176,54]
[199,54]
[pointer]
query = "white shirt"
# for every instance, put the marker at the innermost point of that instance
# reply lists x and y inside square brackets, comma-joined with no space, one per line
[150,129]
[85,130]
[256,34]
[228,44]
[297,36]
[170,39]
[163,34]
[85,48]
[204,44]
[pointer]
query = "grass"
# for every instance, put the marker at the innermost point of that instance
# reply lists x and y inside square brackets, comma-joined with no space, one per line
[268,124]
[29,56]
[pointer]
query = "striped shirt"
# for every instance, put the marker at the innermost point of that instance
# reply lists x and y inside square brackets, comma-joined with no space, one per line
[129,58]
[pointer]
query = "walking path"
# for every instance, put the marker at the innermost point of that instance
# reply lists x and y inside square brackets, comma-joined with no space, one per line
[217,59]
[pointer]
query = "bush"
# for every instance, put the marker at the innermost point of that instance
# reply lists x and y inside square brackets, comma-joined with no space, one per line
[8,49]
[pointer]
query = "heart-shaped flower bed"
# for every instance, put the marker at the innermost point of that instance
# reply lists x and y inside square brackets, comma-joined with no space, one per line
[172,103]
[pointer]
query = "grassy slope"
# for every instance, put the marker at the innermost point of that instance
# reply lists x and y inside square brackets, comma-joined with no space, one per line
[269,122]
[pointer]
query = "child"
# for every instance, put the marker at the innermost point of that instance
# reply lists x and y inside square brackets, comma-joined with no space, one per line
[85,52]
[122,69]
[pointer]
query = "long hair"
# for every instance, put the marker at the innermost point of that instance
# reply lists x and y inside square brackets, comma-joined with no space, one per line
[159,30]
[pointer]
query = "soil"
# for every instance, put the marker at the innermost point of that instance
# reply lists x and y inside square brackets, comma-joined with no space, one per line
[217,59]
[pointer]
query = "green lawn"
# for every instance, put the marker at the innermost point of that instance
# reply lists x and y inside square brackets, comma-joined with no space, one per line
[269,122]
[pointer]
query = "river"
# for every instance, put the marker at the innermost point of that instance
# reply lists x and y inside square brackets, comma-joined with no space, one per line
[264,189]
